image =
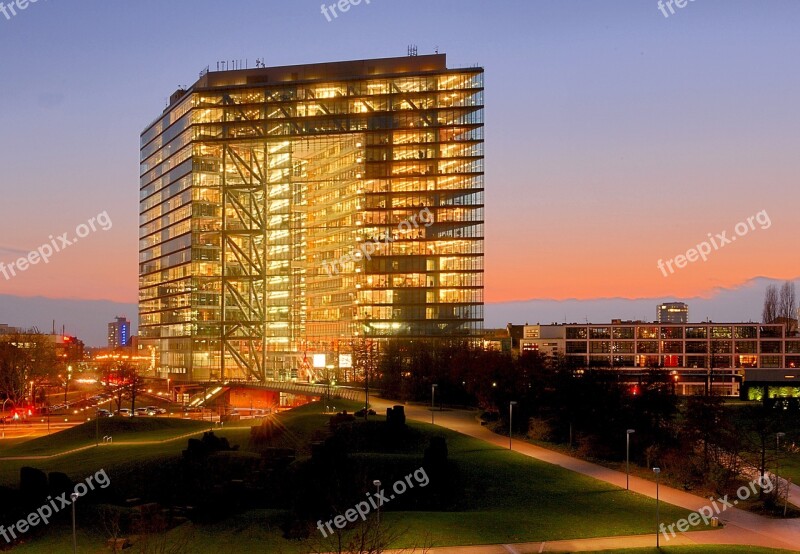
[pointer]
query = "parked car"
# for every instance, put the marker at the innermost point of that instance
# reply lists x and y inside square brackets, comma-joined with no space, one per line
[104,413]
[141,411]
[124,412]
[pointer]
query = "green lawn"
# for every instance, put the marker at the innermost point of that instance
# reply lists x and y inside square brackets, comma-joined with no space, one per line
[509,497]
[706,549]
[790,467]
[120,428]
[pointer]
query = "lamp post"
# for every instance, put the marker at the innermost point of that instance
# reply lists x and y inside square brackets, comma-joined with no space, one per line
[628,434]
[778,437]
[433,403]
[377,484]
[657,471]
[510,416]
[66,383]
[74,497]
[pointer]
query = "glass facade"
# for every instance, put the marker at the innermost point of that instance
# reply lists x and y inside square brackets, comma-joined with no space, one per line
[293,211]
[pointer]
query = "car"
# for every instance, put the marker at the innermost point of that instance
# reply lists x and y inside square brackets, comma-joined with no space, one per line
[104,413]
[141,411]
[124,412]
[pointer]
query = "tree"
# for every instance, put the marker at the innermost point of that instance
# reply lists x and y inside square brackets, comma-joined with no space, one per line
[771,298]
[787,305]
[26,358]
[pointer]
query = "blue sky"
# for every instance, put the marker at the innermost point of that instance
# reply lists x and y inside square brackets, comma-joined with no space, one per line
[615,136]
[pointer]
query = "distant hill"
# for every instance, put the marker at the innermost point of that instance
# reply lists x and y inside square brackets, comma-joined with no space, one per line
[86,319]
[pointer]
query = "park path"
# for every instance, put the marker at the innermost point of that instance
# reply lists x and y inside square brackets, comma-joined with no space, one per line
[740,527]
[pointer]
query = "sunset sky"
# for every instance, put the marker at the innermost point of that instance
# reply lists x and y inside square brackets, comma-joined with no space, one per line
[615,137]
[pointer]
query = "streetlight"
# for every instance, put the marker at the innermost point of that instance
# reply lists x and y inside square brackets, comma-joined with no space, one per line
[433,396]
[778,437]
[510,416]
[657,470]
[377,484]
[628,434]
[74,497]
[66,382]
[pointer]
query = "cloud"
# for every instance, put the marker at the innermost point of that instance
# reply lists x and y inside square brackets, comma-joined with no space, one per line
[13,251]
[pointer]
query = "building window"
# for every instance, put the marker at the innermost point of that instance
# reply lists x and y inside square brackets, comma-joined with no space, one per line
[647,347]
[648,332]
[576,347]
[599,347]
[623,333]
[721,347]
[576,332]
[771,347]
[696,332]
[673,347]
[746,347]
[721,333]
[672,332]
[694,347]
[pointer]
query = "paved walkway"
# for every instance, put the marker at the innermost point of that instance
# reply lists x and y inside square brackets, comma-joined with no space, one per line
[741,527]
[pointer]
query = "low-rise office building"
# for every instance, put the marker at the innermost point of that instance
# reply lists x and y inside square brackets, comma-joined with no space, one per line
[729,358]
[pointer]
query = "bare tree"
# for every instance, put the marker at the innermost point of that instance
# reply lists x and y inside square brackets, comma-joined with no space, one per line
[787,305]
[771,300]
[27,361]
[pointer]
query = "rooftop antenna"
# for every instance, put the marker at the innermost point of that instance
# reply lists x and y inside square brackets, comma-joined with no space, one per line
[436,49]
[412,50]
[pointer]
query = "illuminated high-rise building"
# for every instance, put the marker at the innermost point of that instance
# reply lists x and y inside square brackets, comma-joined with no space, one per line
[119,333]
[293,213]
[673,312]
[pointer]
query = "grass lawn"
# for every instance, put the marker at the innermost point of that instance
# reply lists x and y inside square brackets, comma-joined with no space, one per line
[705,549]
[120,428]
[510,497]
[790,467]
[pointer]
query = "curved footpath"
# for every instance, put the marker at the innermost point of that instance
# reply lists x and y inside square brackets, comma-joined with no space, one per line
[740,527]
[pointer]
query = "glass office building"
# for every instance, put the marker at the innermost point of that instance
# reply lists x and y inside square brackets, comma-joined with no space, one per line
[288,213]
